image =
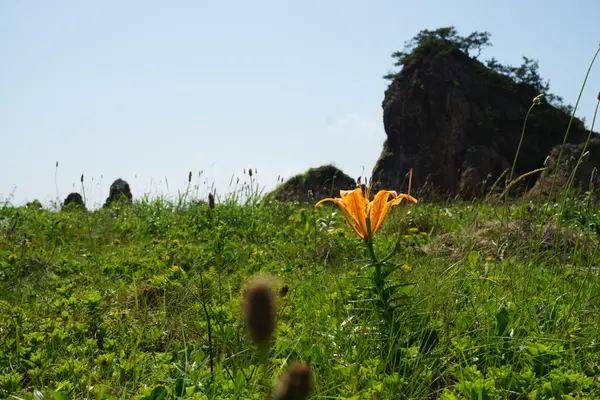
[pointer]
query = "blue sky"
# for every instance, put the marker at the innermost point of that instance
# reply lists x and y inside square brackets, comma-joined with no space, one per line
[147,92]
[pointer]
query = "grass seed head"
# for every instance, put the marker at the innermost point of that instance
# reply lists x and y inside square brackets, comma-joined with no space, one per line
[284,291]
[259,310]
[295,384]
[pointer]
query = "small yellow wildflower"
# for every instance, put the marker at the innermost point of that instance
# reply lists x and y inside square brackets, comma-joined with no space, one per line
[176,268]
[12,256]
[28,243]
[423,233]
[405,268]
[490,259]
[413,230]
[406,236]
[255,256]
[336,232]
[176,242]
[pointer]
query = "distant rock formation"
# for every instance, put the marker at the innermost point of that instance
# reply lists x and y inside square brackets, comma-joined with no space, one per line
[313,185]
[457,123]
[74,200]
[35,204]
[119,191]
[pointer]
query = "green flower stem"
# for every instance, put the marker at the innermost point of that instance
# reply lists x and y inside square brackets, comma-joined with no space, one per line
[378,281]
[369,242]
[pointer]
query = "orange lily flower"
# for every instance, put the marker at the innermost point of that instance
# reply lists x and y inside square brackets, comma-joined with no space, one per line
[357,208]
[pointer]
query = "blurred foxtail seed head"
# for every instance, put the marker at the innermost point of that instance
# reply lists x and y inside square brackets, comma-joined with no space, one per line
[295,384]
[259,309]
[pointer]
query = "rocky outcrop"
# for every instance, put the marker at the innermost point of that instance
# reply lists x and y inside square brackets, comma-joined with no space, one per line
[314,184]
[579,164]
[73,200]
[35,204]
[458,124]
[119,191]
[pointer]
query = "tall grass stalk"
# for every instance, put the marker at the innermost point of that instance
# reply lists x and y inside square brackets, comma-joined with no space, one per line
[570,123]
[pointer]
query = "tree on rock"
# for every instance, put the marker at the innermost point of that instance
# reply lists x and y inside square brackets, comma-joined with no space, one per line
[442,39]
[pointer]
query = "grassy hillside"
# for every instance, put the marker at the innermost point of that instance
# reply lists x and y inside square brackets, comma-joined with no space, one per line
[118,303]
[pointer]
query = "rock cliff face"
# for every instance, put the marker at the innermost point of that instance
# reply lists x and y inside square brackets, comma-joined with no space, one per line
[458,124]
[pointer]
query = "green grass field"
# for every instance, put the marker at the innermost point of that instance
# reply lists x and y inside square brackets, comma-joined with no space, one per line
[495,302]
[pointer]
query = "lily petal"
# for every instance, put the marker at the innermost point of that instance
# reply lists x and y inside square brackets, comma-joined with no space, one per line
[357,205]
[342,206]
[403,196]
[380,206]
[378,209]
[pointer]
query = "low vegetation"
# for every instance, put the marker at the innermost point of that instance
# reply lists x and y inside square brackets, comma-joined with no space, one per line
[143,301]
